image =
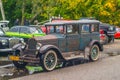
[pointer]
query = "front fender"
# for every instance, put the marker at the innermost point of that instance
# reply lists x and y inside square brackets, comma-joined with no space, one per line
[17,46]
[45,48]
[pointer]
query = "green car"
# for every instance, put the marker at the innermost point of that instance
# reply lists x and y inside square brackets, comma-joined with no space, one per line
[24,32]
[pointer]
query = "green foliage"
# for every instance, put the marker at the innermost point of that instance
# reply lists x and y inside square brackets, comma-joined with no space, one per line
[103,10]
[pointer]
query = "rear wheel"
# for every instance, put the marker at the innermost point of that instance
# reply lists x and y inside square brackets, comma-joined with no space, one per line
[94,53]
[49,60]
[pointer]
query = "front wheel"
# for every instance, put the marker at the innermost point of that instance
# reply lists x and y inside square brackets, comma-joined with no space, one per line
[49,60]
[19,64]
[94,53]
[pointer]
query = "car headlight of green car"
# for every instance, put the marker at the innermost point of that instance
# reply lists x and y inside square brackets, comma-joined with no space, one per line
[4,42]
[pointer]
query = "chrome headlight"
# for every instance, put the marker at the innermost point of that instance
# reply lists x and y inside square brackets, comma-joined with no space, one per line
[38,46]
[23,45]
[4,42]
[22,40]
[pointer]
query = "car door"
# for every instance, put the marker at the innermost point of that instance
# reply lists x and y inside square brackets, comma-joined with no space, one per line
[85,36]
[72,37]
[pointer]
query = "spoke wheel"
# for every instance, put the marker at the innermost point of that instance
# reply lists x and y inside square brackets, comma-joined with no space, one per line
[94,53]
[49,60]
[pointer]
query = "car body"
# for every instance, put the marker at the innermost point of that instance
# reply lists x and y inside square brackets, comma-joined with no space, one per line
[6,43]
[24,32]
[77,39]
[117,34]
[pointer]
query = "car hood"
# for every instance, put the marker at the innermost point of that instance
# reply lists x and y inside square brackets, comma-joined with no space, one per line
[47,37]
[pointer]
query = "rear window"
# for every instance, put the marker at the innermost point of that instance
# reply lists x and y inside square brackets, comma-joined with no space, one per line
[14,29]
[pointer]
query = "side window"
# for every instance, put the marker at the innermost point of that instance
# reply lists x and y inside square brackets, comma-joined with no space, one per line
[59,29]
[14,29]
[85,28]
[73,29]
[94,28]
[24,30]
[50,29]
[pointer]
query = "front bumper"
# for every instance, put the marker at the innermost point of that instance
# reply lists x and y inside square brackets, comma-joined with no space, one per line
[6,50]
[25,58]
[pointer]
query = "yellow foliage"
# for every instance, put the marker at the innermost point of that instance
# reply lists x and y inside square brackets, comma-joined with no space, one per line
[110,5]
[104,13]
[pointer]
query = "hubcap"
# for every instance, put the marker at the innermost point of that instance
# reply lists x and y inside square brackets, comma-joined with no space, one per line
[94,53]
[50,60]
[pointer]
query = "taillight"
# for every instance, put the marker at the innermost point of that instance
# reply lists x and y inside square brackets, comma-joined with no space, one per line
[101,32]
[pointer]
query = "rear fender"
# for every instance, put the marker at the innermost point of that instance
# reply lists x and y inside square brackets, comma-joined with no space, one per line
[97,43]
[87,49]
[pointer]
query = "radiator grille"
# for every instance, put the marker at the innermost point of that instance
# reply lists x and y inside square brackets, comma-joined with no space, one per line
[32,43]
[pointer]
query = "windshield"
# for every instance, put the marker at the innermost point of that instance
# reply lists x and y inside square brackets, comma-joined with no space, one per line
[35,30]
[55,29]
[1,32]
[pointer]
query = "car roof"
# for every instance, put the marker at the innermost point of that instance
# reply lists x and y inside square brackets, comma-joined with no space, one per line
[23,27]
[71,22]
[19,26]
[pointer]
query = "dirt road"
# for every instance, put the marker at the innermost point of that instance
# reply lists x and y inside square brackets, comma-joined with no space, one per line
[107,68]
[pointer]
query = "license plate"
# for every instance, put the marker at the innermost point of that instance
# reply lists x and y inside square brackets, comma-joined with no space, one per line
[14,58]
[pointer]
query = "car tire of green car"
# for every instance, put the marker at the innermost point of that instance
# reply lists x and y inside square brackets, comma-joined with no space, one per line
[94,53]
[19,64]
[49,60]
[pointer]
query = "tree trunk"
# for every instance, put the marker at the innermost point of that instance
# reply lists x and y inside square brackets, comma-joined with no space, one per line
[34,17]
[2,10]
[23,11]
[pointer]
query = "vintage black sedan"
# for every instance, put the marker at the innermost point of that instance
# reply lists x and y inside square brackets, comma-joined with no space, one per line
[6,43]
[77,39]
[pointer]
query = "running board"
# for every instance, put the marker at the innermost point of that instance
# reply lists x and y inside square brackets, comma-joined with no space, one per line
[73,55]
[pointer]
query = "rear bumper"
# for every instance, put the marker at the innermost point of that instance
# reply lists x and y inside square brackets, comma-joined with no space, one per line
[110,33]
